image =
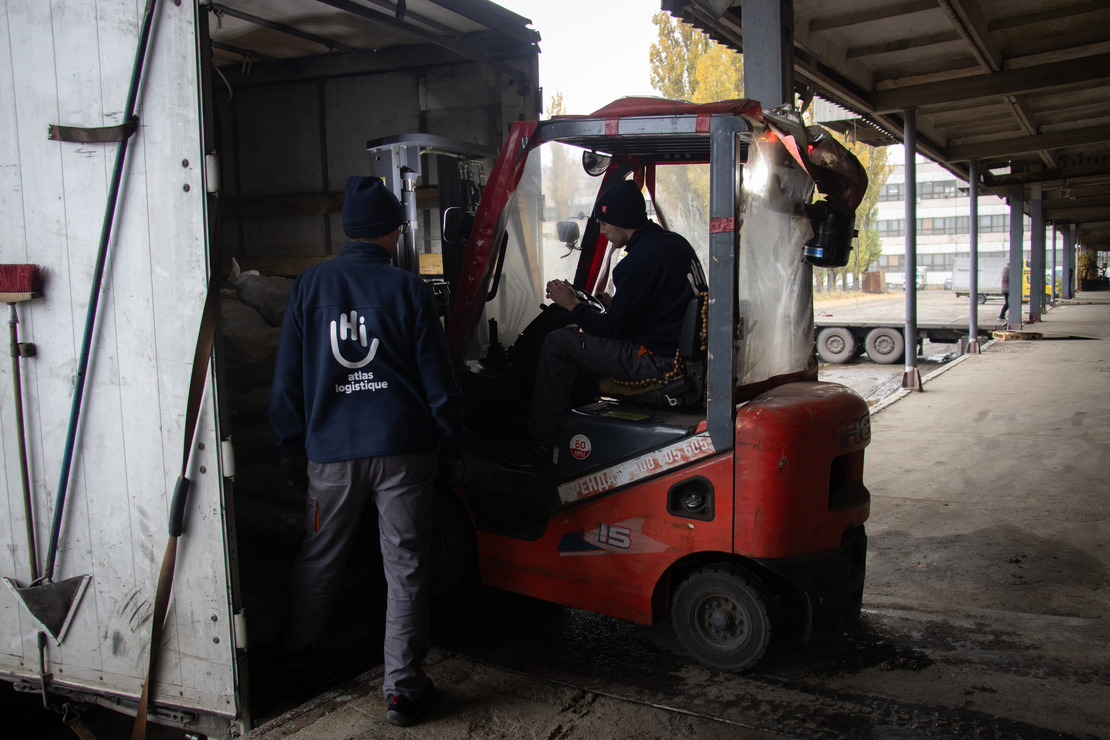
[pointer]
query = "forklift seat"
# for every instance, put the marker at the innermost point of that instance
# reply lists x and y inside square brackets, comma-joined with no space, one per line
[682,387]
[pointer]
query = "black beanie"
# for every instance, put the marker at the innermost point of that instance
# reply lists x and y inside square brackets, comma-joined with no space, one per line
[369,208]
[622,205]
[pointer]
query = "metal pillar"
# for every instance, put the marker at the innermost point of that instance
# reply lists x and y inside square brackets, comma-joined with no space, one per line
[973,277]
[1054,265]
[1036,255]
[1017,257]
[1069,262]
[769,51]
[911,378]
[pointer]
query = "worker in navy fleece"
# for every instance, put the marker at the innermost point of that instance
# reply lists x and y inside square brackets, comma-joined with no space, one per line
[364,385]
[636,337]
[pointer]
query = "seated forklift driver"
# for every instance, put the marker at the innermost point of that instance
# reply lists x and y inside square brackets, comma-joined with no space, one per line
[636,337]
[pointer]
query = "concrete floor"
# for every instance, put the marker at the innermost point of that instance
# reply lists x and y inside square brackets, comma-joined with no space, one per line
[985,610]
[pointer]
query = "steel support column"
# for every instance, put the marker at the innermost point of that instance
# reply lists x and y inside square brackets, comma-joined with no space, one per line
[769,51]
[973,276]
[1036,255]
[911,378]
[1017,257]
[1054,266]
[1069,262]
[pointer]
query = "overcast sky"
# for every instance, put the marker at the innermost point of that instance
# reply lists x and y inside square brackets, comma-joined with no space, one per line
[594,51]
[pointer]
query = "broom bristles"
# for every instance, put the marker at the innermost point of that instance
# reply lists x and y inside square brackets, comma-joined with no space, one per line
[20,282]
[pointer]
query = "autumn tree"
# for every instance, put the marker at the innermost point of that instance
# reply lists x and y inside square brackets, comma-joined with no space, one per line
[688,65]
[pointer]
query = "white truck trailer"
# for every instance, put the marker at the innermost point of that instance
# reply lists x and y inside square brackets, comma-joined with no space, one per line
[248,118]
[989,275]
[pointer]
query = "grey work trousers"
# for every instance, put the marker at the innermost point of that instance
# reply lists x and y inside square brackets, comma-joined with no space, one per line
[401,488]
[567,351]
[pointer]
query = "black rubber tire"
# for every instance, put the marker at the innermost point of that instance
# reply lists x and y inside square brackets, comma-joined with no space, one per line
[836,344]
[453,560]
[982,298]
[721,617]
[885,345]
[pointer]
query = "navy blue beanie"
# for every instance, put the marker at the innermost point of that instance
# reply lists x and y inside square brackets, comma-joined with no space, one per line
[369,208]
[622,205]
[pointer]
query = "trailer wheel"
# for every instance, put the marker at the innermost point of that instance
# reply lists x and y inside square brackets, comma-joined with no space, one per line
[885,345]
[836,344]
[981,297]
[721,618]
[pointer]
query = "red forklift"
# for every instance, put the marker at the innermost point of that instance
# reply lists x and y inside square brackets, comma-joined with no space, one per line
[726,500]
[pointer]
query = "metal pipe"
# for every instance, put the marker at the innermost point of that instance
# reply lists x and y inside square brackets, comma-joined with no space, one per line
[24,478]
[94,293]
[973,276]
[912,377]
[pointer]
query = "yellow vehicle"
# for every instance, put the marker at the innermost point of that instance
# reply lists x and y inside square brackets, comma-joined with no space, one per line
[1026,281]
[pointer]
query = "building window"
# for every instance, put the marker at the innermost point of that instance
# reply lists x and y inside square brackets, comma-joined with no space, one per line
[937,189]
[894,191]
[891,227]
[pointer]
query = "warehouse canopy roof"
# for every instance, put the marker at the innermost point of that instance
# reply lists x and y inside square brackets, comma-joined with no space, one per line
[1023,86]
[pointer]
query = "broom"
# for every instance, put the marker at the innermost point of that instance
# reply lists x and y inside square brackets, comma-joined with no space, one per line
[21,283]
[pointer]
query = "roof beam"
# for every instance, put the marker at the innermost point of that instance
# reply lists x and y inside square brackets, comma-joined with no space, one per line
[1049,14]
[968,19]
[883,12]
[463,50]
[1074,175]
[1007,82]
[222,10]
[1015,147]
[889,47]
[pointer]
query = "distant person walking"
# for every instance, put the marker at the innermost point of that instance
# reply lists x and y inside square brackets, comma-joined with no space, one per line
[1005,292]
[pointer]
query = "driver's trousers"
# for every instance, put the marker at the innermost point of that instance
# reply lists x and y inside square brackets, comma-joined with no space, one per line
[568,351]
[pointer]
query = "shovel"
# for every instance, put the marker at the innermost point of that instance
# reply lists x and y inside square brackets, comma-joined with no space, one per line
[53,604]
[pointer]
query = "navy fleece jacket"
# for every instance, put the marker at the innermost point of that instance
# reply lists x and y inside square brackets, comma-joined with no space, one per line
[653,285]
[362,367]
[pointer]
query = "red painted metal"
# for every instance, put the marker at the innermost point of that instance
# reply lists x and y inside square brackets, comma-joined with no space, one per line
[481,254]
[787,440]
[608,577]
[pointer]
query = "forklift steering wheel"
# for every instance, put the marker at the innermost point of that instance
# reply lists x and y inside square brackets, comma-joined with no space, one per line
[589,299]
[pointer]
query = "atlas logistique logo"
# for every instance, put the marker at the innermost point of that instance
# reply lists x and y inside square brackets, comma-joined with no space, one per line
[351,329]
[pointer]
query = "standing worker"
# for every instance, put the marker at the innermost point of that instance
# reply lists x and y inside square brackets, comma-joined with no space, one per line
[364,389]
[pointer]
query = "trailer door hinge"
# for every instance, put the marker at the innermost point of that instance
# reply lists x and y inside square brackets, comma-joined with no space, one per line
[212,174]
[240,626]
[91,135]
[227,458]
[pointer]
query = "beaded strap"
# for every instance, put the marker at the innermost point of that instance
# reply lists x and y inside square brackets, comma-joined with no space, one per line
[679,368]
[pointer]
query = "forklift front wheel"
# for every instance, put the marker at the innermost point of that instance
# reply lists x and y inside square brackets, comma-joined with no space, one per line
[720,616]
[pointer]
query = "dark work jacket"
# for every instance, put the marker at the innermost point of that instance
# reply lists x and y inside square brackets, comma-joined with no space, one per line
[652,286]
[362,368]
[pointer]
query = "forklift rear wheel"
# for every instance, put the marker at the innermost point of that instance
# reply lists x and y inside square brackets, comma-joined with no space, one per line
[836,344]
[721,618]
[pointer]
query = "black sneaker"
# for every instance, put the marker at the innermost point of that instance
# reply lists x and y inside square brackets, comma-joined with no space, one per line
[535,455]
[402,711]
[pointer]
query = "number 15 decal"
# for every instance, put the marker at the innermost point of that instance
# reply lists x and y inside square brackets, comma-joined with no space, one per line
[614,536]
